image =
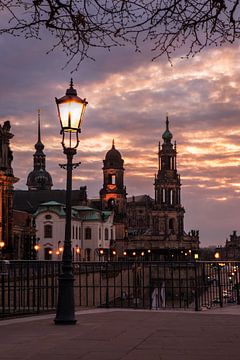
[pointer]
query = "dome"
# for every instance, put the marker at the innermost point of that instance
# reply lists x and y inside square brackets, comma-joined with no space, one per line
[113,158]
[39,146]
[167,135]
[39,180]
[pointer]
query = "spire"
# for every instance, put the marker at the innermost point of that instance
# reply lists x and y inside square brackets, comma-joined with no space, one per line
[167,135]
[39,145]
[113,145]
[159,157]
[39,178]
[39,129]
[167,122]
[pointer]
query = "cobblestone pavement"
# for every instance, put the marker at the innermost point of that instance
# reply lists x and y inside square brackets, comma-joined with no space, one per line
[125,335]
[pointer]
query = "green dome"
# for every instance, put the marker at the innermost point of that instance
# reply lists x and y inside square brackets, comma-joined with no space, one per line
[167,135]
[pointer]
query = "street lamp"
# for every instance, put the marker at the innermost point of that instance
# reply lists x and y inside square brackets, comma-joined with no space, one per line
[2,244]
[71,109]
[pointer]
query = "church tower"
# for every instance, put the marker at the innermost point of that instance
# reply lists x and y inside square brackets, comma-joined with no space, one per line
[39,178]
[113,194]
[168,190]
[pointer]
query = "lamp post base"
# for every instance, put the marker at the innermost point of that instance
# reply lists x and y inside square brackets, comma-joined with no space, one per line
[65,309]
[64,322]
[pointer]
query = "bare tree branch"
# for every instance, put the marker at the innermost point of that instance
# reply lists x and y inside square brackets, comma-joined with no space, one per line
[77,26]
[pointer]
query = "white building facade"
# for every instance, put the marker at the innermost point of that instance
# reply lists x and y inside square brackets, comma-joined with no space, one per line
[93,232]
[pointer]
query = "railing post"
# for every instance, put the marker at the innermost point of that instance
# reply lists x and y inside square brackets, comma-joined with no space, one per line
[3,294]
[107,285]
[197,292]
[150,286]
[220,294]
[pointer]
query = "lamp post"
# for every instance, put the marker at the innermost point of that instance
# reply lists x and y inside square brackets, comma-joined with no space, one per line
[71,109]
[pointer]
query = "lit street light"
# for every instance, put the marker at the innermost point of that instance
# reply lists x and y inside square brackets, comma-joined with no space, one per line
[2,244]
[71,109]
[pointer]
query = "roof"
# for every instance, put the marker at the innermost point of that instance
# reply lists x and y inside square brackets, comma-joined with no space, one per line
[55,207]
[84,213]
[140,199]
[29,201]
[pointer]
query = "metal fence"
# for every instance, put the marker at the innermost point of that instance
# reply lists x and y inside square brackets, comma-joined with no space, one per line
[28,287]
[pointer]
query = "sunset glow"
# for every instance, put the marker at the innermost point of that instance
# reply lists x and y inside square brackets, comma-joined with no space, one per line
[128,98]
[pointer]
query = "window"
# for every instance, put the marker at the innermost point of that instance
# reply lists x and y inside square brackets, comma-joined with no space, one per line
[164,195]
[73,232]
[48,217]
[99,234]
[88,233]
[111,234]
[113,179]
[172,225]
[48,231]
[106,234]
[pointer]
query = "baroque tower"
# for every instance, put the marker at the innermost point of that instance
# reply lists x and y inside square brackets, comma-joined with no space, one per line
[168,190]
[39,178]
[113,194]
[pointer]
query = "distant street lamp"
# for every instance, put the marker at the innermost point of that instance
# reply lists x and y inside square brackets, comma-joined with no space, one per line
[71,109]
[217,255]
[2,244]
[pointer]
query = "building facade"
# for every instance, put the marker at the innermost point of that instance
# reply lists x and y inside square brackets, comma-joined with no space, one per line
[158,225]
[92,232]
[7,180]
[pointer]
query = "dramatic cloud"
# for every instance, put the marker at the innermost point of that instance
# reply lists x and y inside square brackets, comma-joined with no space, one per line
[129,97]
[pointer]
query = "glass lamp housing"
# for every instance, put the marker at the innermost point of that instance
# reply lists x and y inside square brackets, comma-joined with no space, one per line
[71,109]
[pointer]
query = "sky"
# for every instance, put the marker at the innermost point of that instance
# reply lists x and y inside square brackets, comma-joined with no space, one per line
[128,97]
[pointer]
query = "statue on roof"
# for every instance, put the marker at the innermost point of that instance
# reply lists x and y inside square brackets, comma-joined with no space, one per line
[6,155]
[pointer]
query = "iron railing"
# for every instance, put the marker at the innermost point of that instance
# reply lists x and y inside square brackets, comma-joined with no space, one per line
[28,287]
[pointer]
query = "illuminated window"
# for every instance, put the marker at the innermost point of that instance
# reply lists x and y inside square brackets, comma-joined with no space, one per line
[164,195]
[113,179]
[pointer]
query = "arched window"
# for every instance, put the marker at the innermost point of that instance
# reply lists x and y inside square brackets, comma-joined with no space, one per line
[88,233]
[48,231]
[106,234]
